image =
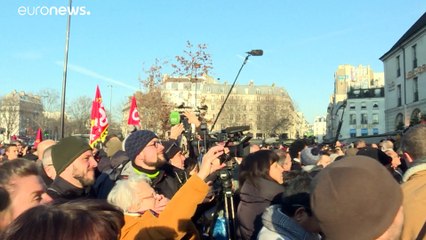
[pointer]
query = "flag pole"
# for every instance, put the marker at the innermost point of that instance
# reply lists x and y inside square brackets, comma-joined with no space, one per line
[64,79]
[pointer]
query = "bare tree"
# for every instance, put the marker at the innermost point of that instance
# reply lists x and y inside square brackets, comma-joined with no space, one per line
[79,114]
[155,75]
[50,99]
[194,62]
[9,115]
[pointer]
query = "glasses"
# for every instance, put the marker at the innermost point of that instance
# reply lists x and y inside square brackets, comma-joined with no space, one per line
[152,195]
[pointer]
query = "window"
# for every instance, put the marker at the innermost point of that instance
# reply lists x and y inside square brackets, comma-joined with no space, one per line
[414,51]
[398,67]
[399,122]
[352,119]
[415,90]
[375,106]
[352,107]
[364,118]
[398,90]
[375,119]
[363,106]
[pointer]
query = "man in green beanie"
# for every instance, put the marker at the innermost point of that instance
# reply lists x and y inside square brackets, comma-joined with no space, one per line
[75,166]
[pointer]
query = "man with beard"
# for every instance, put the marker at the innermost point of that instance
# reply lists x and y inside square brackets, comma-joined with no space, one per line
[75,168]
[146,154]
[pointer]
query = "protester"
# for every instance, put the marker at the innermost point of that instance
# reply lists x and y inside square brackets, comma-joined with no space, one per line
[413,146]
[347,198]
[10,152]
[292,217]
[73,220]
[26,189]
[146,154]
[75,168]
[295,148]
[45,164]
[260,176]
[146,214]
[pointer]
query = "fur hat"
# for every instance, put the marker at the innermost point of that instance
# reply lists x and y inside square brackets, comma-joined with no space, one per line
[137,141]
[347,198]
[171,148]
[66,151]
[309,156]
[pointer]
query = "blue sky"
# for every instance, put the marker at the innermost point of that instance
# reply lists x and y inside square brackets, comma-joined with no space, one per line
[303,42]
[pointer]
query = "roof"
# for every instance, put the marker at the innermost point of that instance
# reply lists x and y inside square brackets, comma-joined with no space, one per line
[421,23]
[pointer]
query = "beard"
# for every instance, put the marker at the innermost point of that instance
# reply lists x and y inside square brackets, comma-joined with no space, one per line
[86,178]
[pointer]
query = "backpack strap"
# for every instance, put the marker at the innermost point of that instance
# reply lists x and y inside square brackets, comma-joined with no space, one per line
[422,232]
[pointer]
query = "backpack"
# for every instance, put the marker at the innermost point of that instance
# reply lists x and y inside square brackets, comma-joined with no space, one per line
[106,180]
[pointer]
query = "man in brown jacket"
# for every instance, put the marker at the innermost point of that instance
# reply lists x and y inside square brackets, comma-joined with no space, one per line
[413,145]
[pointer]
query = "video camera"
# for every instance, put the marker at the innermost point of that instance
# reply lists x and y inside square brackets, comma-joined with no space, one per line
[234,139]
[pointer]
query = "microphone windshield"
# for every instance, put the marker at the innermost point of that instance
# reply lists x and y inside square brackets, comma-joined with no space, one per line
[256,52]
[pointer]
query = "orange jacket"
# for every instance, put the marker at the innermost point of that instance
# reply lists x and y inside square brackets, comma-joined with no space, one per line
[175,221]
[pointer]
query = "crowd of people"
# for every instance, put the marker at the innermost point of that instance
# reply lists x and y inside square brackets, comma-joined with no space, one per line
[144,187]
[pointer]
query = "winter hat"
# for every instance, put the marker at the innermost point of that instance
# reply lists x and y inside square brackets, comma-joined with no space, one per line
[66,151]
[171,148]
[137,141]
[375,153]
[309,156]
[347,199]
[113,145]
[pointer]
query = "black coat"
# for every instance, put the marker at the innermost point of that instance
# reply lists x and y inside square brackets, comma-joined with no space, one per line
[253,201]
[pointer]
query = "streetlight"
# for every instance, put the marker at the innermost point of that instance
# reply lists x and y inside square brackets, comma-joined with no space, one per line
[64,79]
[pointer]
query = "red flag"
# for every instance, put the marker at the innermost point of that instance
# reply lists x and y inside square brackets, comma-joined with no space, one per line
[39,138]
[133,113]
[98,120]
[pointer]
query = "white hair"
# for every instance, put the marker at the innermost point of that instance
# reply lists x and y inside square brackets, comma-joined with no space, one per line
[123,194]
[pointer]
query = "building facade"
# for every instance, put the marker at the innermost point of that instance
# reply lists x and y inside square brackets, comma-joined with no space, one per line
[319,128]
[20,114]
[267,110]
[348,79]
[405,77]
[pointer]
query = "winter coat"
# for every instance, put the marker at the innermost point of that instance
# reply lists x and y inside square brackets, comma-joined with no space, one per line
[414,190]
[174,222]
[168,181]
[278,226]
[253,201]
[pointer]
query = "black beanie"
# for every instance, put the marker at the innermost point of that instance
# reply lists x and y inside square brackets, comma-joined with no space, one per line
[66,151]
[137,141]
[171,148]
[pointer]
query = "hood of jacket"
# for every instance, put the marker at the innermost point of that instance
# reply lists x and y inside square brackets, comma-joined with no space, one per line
[276,222]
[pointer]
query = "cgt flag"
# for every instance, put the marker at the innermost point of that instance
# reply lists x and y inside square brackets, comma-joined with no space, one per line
[39,138]
[98,121]
[133,113]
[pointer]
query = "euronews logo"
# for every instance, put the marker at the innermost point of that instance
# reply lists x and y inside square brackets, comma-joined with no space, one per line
[53,11]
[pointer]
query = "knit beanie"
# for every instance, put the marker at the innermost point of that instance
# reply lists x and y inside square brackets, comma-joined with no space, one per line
[355,198]
[137,141]
[171,148]
[309,156]
[66,151]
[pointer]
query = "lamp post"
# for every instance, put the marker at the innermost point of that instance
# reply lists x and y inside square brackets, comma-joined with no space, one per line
[64,79]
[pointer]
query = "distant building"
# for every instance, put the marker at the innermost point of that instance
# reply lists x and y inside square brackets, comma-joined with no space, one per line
[364,113]
[20,114]
[347,79]
[319,128]
[405,77]
[267,110]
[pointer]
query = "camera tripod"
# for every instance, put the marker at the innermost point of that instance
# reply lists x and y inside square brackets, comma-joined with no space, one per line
[225,203]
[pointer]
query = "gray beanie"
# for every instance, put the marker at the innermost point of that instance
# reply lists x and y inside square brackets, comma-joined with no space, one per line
[137,141]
